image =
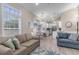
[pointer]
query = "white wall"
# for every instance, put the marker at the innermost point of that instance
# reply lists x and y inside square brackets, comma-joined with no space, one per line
[70,15]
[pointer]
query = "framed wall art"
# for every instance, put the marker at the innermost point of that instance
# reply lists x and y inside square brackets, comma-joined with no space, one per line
[68,24]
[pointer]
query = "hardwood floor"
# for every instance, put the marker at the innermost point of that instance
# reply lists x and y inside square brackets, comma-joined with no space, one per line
[51,44]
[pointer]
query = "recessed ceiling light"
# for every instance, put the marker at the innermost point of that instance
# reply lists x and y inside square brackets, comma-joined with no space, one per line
[36,4]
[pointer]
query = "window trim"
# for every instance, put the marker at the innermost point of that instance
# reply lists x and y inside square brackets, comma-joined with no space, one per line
[3,28]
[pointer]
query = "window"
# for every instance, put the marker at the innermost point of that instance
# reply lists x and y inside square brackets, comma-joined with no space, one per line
[11,20]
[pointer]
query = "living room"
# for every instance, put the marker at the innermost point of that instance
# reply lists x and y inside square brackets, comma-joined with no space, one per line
[39,28]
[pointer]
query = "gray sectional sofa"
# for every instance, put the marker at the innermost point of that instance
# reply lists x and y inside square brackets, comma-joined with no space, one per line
[27,45]
[69,40]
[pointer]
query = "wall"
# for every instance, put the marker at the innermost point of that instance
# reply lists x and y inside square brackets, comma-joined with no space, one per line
[70,15]
[0,21]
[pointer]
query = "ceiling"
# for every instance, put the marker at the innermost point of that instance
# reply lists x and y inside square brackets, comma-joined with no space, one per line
[49,9]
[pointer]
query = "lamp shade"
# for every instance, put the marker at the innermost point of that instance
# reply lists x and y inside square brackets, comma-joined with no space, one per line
[60,24]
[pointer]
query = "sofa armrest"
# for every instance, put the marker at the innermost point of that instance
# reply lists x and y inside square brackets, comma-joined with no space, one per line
[5,50]
[58,38]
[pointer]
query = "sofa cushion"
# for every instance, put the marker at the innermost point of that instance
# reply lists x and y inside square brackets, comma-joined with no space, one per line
[9,44]
[63,35]
[28,36]
[64,40]
[29,43]
[5,50]
[4,39]
[73,37]
[21,38]
[20,50]
[16,43]
[69,41]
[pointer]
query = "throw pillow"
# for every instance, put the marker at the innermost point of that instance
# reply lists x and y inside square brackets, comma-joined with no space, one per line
[73,36]
[16,43]
[9,44]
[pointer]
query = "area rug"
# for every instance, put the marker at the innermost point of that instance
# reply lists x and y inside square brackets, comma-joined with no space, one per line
[43,51]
